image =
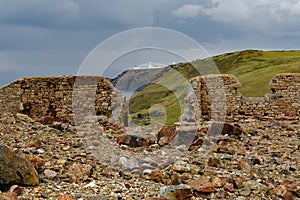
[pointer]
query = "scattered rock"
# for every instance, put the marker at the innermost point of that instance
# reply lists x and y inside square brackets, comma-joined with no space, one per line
[259,163]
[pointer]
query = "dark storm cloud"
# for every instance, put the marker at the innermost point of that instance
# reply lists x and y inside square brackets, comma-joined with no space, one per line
[73,14]
[244,20]
[37,36]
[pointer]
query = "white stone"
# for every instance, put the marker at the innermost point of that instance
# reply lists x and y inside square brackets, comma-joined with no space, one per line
[91,184]
[50,173]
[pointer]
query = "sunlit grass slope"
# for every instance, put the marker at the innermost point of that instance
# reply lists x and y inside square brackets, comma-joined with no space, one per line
[253,68]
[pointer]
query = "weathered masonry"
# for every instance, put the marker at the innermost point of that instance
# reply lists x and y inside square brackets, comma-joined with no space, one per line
[282,104]
[51,99]
[69,98]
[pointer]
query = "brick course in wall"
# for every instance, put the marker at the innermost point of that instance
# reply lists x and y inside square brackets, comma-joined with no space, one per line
[218,95]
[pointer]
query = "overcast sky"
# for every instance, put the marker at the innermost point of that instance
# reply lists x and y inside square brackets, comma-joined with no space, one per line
[53,37]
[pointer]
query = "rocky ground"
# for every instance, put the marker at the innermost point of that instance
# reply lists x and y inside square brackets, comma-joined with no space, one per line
[260,161]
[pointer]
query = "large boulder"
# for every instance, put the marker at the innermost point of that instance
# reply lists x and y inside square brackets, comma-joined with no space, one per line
[16,169]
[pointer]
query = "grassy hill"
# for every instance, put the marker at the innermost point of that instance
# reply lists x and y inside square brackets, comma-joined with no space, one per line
[253,68]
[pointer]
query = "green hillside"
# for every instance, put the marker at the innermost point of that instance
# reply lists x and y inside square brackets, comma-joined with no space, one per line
[253,68]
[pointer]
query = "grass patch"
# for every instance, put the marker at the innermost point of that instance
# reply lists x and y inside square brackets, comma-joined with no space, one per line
[253,68]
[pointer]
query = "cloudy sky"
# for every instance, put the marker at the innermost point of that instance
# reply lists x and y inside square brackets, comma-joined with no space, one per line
[53,37]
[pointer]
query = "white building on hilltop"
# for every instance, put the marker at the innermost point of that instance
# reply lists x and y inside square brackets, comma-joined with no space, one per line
[149,65]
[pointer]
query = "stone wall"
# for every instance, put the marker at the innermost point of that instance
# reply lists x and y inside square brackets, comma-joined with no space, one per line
[71,98]
[10,97]
[62,98]
[218,96]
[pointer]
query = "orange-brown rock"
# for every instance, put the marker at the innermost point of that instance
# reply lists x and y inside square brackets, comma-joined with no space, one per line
[157,176]
[202,185]
[166,135]
[66,197]
[183,193]
[217,182]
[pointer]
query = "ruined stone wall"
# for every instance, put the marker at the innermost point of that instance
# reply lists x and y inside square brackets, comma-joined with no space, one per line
[10,97]
[70,98]
[51,99]
[217,94]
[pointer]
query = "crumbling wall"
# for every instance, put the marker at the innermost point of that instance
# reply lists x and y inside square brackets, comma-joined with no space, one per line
[51,99]
[69,98]
[10,97]
[282,104]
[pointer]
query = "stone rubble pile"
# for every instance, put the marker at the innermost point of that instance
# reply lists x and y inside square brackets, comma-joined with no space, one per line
[256,160]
